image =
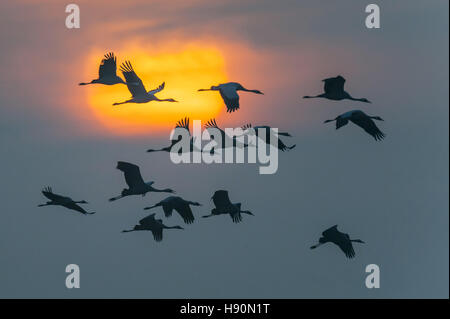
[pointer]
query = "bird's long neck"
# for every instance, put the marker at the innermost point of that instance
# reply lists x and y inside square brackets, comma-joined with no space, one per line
[154,206]
[116,198]
[119,103]
[164,149]
[317,245]
[86,83]
[46,204]
[314,96]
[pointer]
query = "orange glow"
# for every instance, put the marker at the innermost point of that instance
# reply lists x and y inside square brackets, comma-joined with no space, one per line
[184,70]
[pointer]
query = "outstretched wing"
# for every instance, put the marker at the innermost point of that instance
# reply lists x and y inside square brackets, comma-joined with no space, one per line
[330,232]
[167,210]
[148,220]
[221,199]
[183,123]
[185,212]
[157,233]
[236,216]
[345,245]
[340,122]
[334,85]
[132,174]
[230,97]
[48,192]
[108,66]
[158,89]
[134,83]
[213,124]
[366,123]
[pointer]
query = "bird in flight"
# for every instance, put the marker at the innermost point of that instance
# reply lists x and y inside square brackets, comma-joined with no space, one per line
[136,185]
[67,202]
[226,140]
[137,89]
[156,226]
[342,240]
[229,94]
[362,120]
[181,124]
[180,205]
[107,72]
[334,90]
[270,135]
[225,206]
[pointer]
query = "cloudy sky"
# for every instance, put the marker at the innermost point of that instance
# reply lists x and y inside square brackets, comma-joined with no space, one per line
[392,194]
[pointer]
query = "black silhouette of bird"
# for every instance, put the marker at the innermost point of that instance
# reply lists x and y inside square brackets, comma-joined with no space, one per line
[181,124]
[334,90]
[137,88]
[224,206]
[156,226]
[59,200]
[226,140]
[178,204]
[229,94]
[362,120]
[107,72]
[136,185]
[342,240]
[269,136]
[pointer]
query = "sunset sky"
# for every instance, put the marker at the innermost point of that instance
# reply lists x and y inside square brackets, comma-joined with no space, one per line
[393,194]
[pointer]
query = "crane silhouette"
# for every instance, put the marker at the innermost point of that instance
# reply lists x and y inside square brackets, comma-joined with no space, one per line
[136,185]
[107,72]
[67,202]
[362,120]
[334,90]
[225,138]
[137,89]
[269,136]
[180,205]
[182,124]
[156,226]
[224,206]
[229,94]
[342,240]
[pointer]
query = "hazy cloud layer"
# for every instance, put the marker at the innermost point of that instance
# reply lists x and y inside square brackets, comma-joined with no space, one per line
[392,194]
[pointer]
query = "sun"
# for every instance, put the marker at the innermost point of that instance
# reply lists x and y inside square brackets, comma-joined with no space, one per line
[184,71]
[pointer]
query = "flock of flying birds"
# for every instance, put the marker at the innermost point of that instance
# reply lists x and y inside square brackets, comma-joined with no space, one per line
[333,90]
